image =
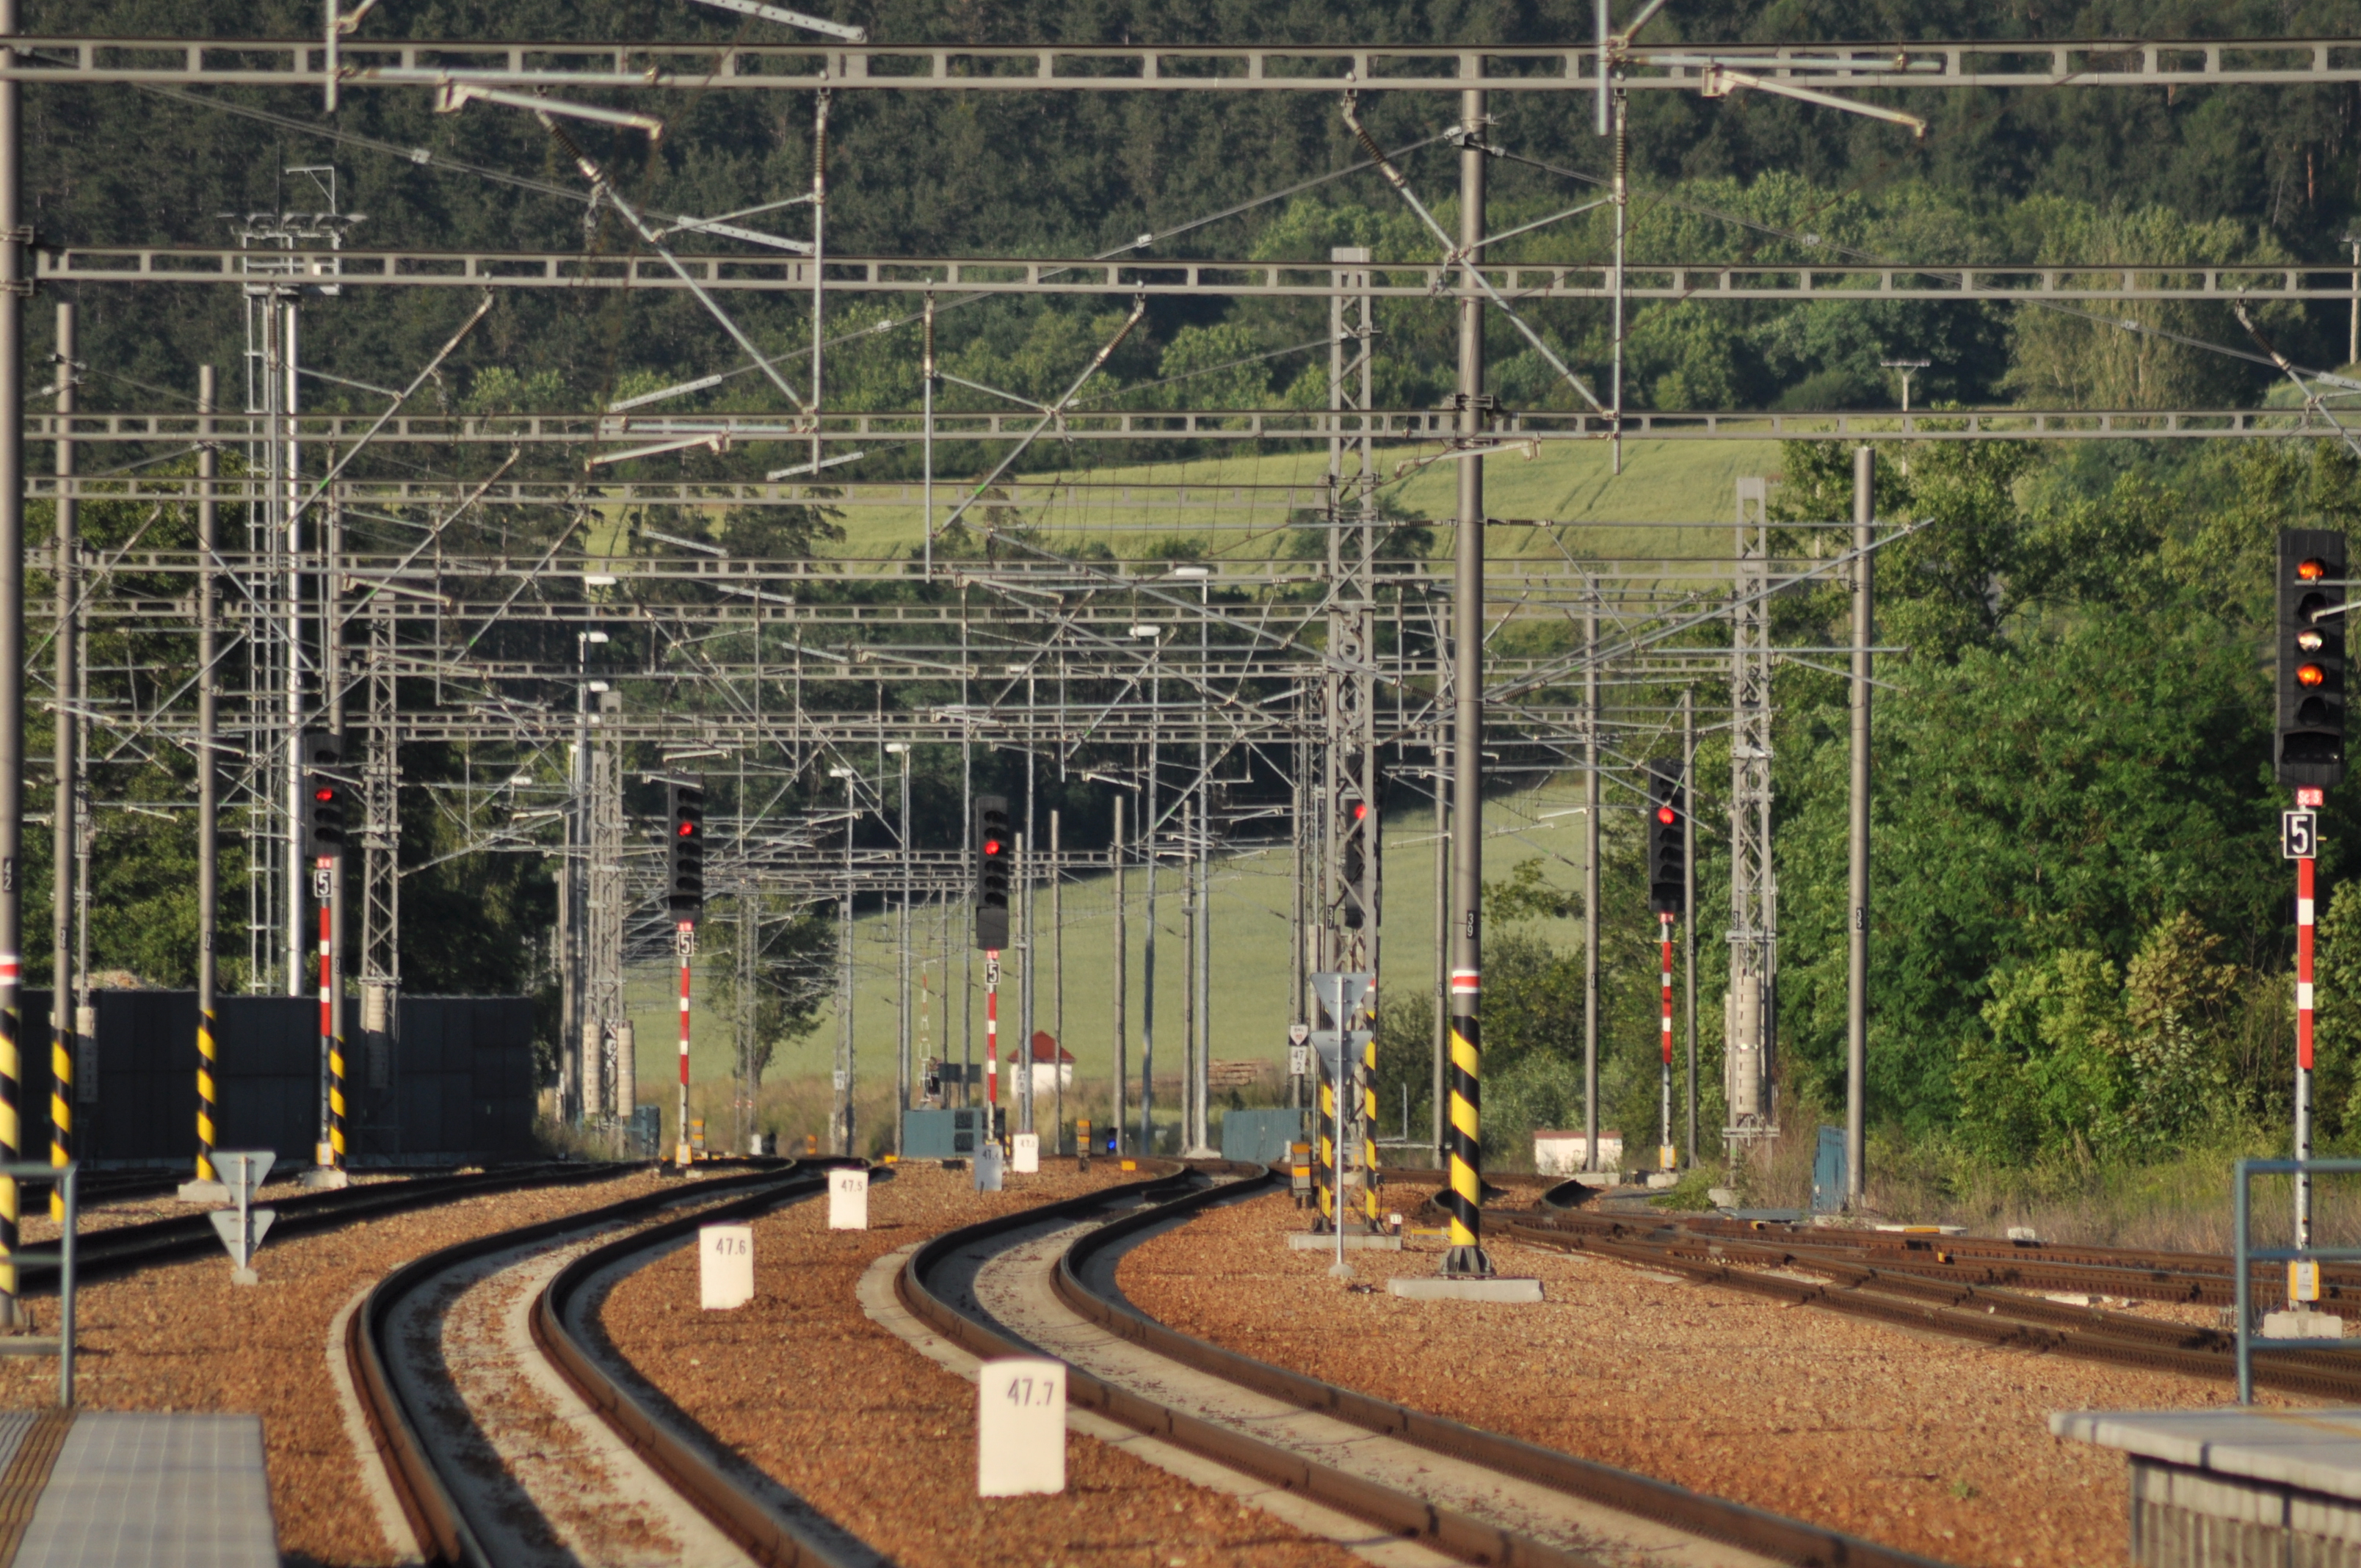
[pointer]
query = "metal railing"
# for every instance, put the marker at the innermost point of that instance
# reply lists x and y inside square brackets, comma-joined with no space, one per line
[61,1343]
[2246,1255]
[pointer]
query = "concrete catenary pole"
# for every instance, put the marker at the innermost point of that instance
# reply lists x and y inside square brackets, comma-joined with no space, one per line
[1856,975]
[13,288]
[1466,1185]
[1590,794]
[208,775]
[64,838]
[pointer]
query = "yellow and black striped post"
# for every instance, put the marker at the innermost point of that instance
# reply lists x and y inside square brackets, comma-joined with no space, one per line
[1463,1144]
[11,1133]
[61,1083]
[208,1064]
[331,1036]
[1324,1169]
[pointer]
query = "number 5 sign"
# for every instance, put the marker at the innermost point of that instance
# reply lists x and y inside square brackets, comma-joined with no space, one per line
[1020,1427]
[2299,834]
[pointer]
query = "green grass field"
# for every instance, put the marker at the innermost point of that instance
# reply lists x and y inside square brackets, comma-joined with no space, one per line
[1251,892]
[1607,517]
[1230,514]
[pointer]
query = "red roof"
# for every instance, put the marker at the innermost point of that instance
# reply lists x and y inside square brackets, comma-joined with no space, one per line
[1047,1049]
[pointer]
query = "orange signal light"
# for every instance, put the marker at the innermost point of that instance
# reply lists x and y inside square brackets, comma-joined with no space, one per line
[2312,569]
[2310,675]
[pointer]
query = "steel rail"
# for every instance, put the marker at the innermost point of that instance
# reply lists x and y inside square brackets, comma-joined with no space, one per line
[1411,1517]
[354,63]
[125,1249]
[1964,1310]
[411,1462]
[1753,1530]
[660,1433]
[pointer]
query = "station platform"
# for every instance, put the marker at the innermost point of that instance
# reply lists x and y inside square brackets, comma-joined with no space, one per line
[115,1489]
[2235,1485]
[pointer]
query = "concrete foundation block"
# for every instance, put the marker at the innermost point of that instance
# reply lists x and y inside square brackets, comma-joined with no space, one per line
[2302,1324]
[1660,1180]
[1437,1287]
[204,1192]
[323,1177]
[1303,1241]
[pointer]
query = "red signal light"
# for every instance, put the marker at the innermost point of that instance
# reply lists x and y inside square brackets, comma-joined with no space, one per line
[1361,809]
[2312,569]
[686,830]
[992,846]
[1667,815]
[2310,675]
[323,793]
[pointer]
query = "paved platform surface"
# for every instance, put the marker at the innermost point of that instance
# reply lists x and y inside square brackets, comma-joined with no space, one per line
[2316,1450]
[123,1489]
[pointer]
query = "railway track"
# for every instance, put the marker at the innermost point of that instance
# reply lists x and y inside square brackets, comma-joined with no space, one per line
[1970,1288]
[480,1369]
[121,1249]
[1042,1282]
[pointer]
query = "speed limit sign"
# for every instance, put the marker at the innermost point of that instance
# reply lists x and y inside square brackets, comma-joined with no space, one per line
[2299,834]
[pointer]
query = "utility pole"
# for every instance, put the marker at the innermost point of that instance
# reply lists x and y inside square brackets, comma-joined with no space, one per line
[843,1118]
[65,838]
[1688,897]
[1058,979]
[1857,971]
[1464,1197]
[2353,331]
[1442,942]
[208,772]
[1122,1052]
[1908,369]
[13,290]
[1591,795]
[902,983]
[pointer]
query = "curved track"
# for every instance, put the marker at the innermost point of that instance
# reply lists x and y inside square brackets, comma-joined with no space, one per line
[1043,1281]
[121,1249]
[1975,1288]
[662,1489]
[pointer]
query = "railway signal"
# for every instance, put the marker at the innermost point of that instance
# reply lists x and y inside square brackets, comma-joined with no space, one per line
[685,897]
[993,858]
[324,813]
[2311,751]
[685,850]
[993,847]
[1668,895]
[1353,860]
[323,817]
[1668,810]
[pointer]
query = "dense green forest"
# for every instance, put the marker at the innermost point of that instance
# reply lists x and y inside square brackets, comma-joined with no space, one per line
[2082,927]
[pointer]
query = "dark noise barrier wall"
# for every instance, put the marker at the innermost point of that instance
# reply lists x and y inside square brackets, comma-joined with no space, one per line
[452,1084]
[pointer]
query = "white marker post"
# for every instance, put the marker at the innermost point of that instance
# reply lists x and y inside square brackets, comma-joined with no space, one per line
[988,1168]
[1020,1427]
[725,1272]
[848,1200]
[1025,1155]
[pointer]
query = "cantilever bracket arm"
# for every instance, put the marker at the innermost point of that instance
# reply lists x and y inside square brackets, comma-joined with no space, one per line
[1721,82]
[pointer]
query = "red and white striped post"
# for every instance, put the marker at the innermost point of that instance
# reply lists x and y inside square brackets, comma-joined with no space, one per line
[685,939]
[2306,800]
[991,1042]
[1666,1158]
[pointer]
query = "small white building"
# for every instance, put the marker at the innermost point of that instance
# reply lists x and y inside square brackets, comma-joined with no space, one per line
[1561,1152]
[1053,1065]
